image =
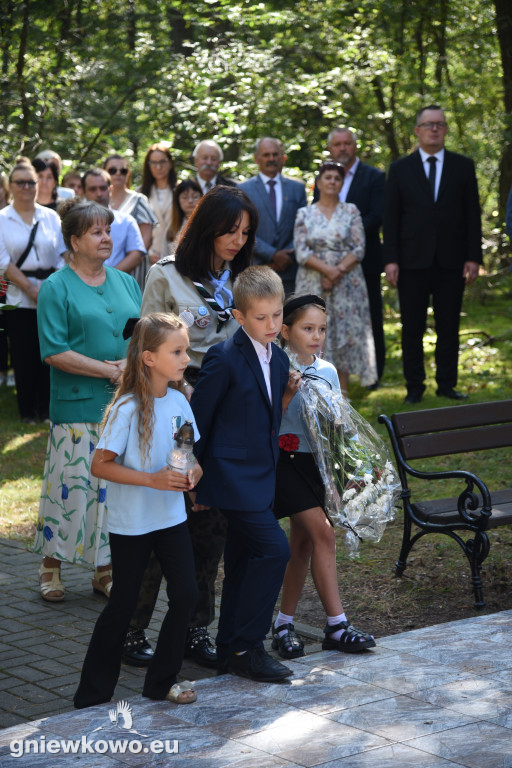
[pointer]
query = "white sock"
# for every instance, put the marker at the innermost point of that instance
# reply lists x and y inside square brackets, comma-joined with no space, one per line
[332,621]
[282,618]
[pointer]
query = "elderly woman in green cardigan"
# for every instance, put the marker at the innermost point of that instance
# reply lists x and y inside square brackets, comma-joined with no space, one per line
[81,315]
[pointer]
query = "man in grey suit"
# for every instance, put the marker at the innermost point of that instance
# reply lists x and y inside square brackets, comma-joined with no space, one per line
[277,199]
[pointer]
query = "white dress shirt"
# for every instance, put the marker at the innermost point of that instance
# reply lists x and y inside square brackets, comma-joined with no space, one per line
[278,189]
[264,356]
[347,181]
[202,183]
[439,166]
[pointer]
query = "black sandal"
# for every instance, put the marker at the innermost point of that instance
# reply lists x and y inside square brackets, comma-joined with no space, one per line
[289,645]
[351,641]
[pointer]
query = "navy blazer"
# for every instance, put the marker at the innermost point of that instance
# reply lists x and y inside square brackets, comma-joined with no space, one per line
[272,235]
[420,233]
[239,427]
[366,191]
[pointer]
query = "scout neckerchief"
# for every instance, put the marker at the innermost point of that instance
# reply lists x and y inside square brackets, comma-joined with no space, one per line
[218,301]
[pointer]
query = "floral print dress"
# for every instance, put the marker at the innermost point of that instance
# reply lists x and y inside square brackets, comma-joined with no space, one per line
[72,523]
[349,340]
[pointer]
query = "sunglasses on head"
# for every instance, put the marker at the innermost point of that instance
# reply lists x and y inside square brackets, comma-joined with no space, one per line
[114,170]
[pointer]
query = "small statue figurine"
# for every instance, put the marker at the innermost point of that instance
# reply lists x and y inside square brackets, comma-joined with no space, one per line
[181,458]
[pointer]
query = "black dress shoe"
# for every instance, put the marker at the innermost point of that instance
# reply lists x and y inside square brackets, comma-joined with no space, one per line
[137,651]
[373,387]
[257,664]
[413,397]
[200,648]
[452,394]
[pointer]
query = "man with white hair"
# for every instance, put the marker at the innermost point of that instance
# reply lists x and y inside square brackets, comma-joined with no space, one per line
[49,156]
[207,158]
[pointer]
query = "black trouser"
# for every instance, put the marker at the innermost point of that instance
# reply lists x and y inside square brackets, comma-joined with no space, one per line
[208,535]
[415,286]
[255,560]
[130,555]
[32,375]
[373,286]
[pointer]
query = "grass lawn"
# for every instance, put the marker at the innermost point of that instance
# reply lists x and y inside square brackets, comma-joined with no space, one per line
[436,585]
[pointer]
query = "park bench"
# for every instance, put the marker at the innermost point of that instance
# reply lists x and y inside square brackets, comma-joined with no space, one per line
[466,518]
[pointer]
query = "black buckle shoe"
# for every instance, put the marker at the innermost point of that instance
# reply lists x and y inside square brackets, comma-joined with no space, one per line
[137,651]
[200,648]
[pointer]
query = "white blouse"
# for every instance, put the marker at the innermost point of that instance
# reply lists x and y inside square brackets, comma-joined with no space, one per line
[46,251]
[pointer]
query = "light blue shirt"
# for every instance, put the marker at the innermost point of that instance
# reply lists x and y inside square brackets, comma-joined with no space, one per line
[292,422]
[133,510]
[126,237]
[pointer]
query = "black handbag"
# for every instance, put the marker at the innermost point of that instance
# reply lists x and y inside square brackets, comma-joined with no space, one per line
[26,252]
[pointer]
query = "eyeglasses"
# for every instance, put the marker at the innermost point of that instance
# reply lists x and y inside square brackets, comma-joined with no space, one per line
[114,170]
[158,163]
[435,124]
[193,196]
[24,183]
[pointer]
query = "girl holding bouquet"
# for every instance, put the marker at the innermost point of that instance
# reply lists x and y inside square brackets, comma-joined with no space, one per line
[300,495]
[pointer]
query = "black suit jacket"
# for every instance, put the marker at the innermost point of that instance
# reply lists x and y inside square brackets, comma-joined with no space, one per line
[239,426]
[225,181]
[367,192]
[420,233]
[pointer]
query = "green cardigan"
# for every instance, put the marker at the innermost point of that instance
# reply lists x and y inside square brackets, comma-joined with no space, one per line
[72,315]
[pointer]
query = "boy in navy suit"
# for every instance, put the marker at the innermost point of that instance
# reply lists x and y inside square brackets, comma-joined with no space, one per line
[237,404]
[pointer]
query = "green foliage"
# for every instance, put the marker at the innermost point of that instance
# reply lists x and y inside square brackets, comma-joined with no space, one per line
[97,75]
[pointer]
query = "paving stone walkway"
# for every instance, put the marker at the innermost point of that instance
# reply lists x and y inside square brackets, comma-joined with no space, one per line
[438,697]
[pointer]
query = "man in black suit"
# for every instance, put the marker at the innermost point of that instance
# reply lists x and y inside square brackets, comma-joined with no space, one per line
[432,247]
[364,187]
[207,158]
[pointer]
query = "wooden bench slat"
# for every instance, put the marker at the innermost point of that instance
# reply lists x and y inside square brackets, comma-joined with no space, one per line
[452,417]
[445,511]
[459,441]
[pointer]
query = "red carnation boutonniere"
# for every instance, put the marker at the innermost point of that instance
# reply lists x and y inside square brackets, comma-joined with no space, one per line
[3,287]
[289,442]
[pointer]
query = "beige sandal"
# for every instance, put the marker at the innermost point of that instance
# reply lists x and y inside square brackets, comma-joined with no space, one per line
[102,581]
[51,590]
[182,693]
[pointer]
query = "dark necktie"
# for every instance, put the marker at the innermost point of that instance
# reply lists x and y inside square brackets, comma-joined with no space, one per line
[272,194]
[432,175]
[208,186]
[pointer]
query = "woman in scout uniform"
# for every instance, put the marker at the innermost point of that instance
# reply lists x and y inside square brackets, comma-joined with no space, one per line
[213,250]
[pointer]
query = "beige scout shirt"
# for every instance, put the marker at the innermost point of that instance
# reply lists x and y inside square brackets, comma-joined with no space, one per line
[167,291]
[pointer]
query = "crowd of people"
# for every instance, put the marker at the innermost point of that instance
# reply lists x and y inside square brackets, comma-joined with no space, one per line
[217,271]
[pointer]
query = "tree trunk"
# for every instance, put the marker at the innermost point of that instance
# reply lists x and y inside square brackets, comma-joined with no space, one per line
[504,25]
[20,71]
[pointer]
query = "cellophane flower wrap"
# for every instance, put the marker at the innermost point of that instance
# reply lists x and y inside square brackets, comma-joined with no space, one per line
[361,484]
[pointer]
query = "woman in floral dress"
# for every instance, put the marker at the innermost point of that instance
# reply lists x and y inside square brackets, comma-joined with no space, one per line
[329,247]
[82,310]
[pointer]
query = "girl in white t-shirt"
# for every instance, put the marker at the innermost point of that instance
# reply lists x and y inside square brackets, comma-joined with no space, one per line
[146,511]
[300,495]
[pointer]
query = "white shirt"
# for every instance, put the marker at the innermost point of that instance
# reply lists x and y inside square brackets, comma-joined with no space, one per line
[439,166]
[133,510]
[264,356]
[278,189]
[347,181]
[46,251]
[202,183]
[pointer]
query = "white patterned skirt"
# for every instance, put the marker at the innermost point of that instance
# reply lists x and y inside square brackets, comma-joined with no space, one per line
[72,523]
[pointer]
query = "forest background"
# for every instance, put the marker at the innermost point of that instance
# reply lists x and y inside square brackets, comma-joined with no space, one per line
[88,77]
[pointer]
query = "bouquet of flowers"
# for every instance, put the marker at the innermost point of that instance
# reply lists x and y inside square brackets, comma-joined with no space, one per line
[361,483]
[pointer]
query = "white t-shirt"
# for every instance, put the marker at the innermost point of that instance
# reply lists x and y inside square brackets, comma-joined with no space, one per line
[133,510]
